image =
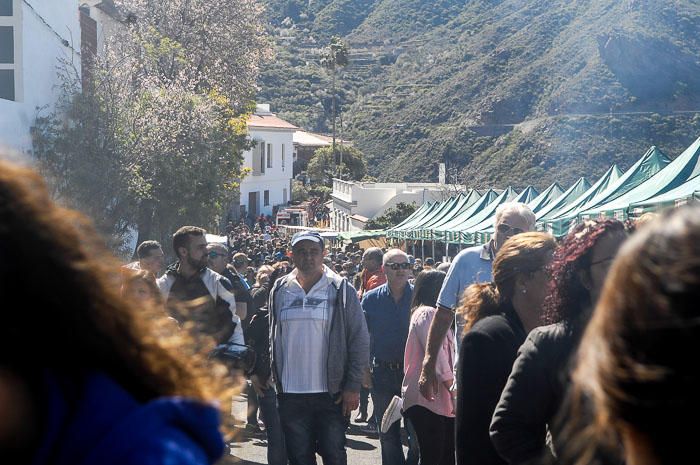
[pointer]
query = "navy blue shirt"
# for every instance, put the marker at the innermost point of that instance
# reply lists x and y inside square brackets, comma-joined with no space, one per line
[387,322]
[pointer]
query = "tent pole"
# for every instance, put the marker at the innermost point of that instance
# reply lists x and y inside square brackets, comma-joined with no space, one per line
[422,249]
[433,241]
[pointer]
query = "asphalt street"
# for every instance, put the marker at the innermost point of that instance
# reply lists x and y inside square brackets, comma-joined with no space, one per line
[249,448]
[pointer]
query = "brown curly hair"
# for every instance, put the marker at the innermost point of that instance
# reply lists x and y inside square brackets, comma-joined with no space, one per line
[568,298]
[66,283]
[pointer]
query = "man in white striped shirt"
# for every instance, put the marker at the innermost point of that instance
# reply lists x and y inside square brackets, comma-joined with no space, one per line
[319,352]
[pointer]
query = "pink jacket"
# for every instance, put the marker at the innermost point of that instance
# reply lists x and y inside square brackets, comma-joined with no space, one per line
[413,362]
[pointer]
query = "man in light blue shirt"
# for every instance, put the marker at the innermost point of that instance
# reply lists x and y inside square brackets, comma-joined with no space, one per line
[470,266]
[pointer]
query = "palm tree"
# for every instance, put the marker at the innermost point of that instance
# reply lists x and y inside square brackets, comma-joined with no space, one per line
[334,56]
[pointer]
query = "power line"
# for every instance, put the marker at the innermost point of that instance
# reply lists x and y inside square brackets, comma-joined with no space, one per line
[63,41]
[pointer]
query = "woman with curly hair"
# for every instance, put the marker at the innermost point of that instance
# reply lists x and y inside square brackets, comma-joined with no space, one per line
[637,363]
[538,380]
[498,317]
[85,375]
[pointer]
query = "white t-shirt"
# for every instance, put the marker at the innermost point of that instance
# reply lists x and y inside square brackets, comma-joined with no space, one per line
[305,321]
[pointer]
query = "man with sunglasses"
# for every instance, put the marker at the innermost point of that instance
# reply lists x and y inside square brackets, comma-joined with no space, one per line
[471,265]
[218,261]
[388,312]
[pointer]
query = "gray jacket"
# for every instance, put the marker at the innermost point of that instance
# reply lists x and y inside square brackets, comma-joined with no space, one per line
[348,348]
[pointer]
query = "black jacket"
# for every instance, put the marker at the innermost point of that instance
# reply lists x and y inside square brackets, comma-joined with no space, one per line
[258,337]
[486,356]
[533,394]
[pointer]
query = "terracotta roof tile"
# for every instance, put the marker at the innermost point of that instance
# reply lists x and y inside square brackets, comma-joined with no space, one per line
[269,121]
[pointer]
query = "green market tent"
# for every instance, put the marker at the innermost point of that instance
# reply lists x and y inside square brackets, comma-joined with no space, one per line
[434,212]
[549,195]
[680,170]
[527,195]
[651,162]
[414,220]
[450,222]
[460,215]
[412,217]
[448,207]
[571,194]
[357,236]
[482,232]
[546,197]
[689,190]
[458,233]
[425,229]
[557,226]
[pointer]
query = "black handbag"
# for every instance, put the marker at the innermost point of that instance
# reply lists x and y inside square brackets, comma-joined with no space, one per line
[236,356]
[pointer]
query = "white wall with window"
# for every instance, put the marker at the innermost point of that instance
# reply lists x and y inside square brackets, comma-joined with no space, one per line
[268,183]
[35,36]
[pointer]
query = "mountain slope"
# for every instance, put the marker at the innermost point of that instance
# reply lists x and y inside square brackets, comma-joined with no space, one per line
[452,81]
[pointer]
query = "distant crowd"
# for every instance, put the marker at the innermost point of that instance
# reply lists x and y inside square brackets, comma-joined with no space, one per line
[526,349]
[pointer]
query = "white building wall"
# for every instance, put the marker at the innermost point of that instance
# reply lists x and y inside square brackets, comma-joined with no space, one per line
[38,49]
[372,199]
[276,179]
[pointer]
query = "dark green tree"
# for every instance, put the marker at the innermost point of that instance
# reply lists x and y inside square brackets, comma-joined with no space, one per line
[392,216]
[322,170]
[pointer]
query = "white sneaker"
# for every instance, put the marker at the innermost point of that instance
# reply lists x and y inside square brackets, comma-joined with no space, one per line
[392,413]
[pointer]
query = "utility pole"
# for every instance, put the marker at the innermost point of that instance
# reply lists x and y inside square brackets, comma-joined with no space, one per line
[333,111]
[341,146]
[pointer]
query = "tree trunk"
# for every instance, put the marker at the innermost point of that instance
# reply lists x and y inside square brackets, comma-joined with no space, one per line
[145,223]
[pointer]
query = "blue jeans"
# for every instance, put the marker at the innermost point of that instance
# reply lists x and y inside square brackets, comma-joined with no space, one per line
[276,453]
[310,421]
[386,383]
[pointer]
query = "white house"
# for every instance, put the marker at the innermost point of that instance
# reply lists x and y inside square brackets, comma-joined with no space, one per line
[270,160]
[34,36]
[353,204]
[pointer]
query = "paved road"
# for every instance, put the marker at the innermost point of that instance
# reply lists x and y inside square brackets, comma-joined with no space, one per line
[250,448]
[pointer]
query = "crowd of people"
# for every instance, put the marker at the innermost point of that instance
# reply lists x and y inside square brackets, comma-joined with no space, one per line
[523,350]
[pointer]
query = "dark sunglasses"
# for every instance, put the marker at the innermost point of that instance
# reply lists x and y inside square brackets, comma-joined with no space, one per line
[397,266]
[214,255]
[506,228]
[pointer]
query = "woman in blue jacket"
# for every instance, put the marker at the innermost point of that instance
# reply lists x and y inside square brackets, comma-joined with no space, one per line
[85,377]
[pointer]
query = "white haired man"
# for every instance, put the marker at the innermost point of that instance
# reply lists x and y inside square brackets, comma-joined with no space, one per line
[388,312]
[471,265]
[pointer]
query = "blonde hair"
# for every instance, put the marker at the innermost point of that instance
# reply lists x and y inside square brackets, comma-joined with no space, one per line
[263,271]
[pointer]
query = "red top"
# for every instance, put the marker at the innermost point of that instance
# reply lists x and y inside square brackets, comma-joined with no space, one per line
[370,281]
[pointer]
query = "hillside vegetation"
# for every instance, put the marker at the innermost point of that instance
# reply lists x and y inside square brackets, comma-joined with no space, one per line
[509,92]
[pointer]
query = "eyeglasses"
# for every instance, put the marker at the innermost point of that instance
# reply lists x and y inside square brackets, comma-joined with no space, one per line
[214,255]
[506,228]
[397,266]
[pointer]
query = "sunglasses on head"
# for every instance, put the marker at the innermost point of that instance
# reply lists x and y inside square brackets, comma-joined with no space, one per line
[506,228]
[397,266]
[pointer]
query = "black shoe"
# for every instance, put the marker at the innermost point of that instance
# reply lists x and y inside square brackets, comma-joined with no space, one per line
[361,418]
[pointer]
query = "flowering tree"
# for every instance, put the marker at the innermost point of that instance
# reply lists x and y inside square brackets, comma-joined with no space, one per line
[155,140]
